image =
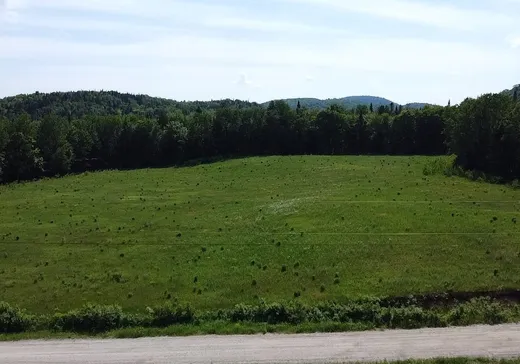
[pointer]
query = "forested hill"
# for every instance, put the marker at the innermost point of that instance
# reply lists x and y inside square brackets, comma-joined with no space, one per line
[102,103]
[349,102]
[513,91]
[346,102]
[58,133]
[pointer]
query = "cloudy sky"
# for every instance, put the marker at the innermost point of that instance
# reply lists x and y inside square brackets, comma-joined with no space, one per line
[405,50]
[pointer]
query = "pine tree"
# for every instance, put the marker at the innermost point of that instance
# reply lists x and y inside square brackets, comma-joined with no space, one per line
[449,103]
[371,108]
[515,95]
[299,106]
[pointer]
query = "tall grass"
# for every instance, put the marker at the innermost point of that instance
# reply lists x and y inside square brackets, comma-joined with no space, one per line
[361,314]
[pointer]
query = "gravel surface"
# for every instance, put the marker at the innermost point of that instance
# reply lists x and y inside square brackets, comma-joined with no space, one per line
[483,341]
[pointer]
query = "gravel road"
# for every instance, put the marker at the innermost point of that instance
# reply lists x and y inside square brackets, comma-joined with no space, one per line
[482,341]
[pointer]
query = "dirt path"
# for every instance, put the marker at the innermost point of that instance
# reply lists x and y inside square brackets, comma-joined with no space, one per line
[482,341]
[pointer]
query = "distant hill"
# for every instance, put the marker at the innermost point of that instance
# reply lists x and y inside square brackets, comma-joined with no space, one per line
[348,102]
[416,105]
[512,91]
[81,103]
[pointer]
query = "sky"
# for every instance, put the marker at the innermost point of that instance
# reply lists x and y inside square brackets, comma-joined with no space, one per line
[405,50]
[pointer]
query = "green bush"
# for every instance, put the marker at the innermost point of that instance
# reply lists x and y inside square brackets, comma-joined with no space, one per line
[370,313]
[93,319]
[480,311]
[440,165]
[411,318]
[14,320]
[169,314]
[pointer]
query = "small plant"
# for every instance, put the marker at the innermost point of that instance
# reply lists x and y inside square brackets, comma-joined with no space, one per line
[284,268]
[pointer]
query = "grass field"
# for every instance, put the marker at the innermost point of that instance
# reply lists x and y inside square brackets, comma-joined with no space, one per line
[315,228]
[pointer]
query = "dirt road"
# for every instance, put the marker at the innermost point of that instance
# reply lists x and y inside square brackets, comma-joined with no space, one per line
[483,341]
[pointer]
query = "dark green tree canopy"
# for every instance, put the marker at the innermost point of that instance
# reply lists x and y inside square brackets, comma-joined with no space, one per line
[59,133]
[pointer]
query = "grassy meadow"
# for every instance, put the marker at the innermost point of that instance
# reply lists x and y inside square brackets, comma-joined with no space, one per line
[310,228]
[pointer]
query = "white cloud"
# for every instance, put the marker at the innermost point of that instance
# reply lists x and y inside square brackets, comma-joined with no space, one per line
[400,55]
[9,11]
[417,12]
[271,26]
[243,80]
[154,9]
[178,13]
[514,41]
[159,43]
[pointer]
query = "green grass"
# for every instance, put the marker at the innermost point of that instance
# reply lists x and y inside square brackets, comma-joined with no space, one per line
[207,328]
[216,235]
[460,361]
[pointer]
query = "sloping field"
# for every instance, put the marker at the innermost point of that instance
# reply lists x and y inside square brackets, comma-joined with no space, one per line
[314,228]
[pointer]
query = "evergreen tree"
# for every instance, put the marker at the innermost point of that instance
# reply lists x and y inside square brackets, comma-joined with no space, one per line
[515,95]
[52,141]
[22,157]
[3,143]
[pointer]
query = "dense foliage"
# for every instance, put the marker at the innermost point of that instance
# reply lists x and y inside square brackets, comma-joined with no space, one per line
[368,313]
[50,134]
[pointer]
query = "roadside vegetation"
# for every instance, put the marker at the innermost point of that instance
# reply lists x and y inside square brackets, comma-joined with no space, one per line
[171,319]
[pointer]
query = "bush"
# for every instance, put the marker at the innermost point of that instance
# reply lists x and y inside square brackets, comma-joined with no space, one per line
[440,165]
[373,313]
[14,320]
[169,314]
[479,311]
[274,313]
[292,313]
[93,319]
[411,318]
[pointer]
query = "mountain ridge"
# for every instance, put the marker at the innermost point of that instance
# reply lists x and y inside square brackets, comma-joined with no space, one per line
[348,102]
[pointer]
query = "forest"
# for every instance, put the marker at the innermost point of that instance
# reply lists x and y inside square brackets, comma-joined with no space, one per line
[60,133]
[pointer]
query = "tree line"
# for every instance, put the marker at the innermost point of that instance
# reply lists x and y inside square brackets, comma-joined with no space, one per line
[56,134]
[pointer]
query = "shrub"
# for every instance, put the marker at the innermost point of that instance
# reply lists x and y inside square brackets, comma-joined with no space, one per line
[292,313]
[478,311]
[170,314]
[440,165]
[14,320]
[92,319]
[412,317]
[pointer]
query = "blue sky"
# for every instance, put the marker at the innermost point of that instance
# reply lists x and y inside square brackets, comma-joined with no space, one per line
[405,50]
